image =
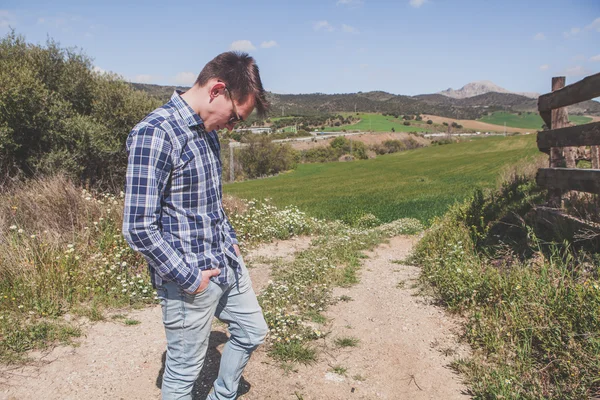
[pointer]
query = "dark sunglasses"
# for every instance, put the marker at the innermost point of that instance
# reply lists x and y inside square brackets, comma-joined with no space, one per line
[235,117]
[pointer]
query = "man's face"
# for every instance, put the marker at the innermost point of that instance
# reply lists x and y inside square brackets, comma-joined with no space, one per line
[226,111]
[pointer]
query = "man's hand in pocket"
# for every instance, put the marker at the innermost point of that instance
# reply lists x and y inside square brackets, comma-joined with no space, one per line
[206,275]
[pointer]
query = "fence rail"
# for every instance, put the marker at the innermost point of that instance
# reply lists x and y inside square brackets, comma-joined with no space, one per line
[566,144]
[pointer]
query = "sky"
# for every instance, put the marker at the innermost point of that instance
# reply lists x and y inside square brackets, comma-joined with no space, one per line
[404,47]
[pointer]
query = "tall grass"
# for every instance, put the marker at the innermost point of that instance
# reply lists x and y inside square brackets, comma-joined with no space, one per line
[532,309]
[61,251]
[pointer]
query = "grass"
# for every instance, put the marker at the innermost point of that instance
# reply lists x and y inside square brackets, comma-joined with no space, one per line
[382,123]
[531,309]
[340,370]
[420,183]
[346,342]
[527,121]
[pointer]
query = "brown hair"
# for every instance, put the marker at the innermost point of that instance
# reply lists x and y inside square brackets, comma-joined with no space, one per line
[241,75]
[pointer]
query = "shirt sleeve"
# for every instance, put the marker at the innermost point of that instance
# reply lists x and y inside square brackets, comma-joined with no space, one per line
[230,230]
[148,169]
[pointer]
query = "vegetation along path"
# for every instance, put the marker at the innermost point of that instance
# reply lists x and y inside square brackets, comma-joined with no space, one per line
[381,341]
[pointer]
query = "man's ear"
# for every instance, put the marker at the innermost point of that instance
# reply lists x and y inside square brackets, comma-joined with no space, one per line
[217,89]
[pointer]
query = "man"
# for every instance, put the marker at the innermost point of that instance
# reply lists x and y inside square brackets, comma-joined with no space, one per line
[174,216]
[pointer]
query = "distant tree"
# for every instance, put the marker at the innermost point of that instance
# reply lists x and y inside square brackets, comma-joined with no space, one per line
[445,123]
[393,130]
[429,122]
[406,123]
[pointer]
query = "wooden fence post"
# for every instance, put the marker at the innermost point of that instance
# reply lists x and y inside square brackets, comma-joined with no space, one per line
[595,155]
[559,119]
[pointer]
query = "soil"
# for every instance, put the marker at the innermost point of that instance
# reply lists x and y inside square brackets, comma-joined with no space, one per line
[405,346]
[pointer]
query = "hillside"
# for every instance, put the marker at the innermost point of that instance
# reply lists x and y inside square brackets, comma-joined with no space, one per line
[420,183]
[379,101]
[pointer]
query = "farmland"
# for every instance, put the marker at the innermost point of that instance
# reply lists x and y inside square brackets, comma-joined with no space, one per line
[526,120]
[382,123]
[419,183]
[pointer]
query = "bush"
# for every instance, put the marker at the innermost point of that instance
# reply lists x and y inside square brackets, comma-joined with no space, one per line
[262,157]
[60,116]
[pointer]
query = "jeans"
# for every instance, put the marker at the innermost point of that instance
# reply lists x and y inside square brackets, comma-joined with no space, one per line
[188,318]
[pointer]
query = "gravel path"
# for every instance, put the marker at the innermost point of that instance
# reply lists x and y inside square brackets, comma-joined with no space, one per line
[404,347]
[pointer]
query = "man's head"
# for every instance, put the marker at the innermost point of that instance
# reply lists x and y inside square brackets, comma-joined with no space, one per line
[227,90]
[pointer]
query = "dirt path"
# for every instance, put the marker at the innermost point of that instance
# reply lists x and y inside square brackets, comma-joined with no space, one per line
[405,345]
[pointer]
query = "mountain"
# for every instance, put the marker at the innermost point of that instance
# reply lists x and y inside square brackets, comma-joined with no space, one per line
[481,87]
[471,107]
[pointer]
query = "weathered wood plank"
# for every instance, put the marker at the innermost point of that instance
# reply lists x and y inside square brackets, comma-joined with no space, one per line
[558,119]
[581,135]
[586,89]
[595,156]
[584,180]
[554,219]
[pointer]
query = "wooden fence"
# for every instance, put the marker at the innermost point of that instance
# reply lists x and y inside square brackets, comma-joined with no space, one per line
[565,145]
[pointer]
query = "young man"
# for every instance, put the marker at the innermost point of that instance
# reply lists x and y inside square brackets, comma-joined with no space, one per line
[174,216]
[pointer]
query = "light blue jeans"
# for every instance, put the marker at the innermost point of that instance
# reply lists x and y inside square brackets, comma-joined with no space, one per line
[188,318]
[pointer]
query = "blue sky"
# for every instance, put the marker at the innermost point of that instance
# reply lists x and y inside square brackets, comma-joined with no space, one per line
[329,46]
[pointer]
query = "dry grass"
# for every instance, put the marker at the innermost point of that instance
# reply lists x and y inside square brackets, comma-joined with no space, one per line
[54,206]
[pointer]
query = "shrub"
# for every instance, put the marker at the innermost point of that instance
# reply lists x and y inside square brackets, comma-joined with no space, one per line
[60,116]
[262,157]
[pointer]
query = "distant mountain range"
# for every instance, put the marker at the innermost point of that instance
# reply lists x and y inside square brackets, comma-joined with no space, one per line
[481,87]
[472,101]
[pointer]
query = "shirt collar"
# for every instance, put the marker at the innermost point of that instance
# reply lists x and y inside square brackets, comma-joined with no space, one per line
[186,112]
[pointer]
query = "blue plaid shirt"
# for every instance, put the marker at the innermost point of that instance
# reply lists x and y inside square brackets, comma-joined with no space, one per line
[173,209]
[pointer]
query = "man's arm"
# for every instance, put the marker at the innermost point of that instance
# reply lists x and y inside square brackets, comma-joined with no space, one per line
[148,169]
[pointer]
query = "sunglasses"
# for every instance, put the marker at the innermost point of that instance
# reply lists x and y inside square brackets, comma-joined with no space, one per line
[235,117]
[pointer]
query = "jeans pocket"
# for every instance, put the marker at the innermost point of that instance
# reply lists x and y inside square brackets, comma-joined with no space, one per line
[162,294]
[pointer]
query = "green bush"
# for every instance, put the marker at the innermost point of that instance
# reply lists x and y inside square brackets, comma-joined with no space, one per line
[262,157]
[60,116]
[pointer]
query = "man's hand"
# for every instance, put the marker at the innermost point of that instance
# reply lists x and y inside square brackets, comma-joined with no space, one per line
[237,250]
[206,275]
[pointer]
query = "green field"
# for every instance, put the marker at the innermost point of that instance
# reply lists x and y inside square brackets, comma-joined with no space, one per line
[419,183]
[527,121]
[381,123]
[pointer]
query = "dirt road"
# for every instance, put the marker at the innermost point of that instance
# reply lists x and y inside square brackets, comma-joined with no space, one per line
[404,347]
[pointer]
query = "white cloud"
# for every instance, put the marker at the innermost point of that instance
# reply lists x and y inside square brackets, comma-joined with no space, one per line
[143,78]
[242,45]
[595,58]
[349,2]
[322,25]
[269,44]
[417,3]
[576,71]
[539,36]
[594,25]
[185,78]
[99,70]
[7,19]
[544,67]
[571,33]
[349,29]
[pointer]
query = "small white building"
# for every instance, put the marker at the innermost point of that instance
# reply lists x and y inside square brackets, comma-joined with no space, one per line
[255,130]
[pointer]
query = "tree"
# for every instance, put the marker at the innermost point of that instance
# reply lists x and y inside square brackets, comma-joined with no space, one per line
[429,122]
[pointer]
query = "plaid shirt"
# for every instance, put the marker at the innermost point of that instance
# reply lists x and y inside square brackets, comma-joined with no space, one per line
[173,210]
